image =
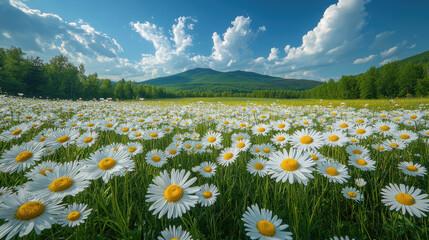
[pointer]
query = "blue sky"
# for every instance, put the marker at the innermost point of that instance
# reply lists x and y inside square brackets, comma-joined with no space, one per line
[139,40]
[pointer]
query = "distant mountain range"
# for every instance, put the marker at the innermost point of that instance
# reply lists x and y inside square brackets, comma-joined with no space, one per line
[206,79]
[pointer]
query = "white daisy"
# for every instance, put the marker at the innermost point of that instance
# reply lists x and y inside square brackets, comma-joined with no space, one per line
[87,139]
[173,233]
[260,224]
[41,169]
[62,137]
[352,193]
[73,215]
[257,166]
[335,138]
[307,139]
[261,129]
[227,156]
[207,169]
[212,139]
[334,171]
[134,148]
[406,199]
[280,139]
[364,163]
[242,145]
[412,169]
[207,195]
[21,157]
[172,195]
[156,158]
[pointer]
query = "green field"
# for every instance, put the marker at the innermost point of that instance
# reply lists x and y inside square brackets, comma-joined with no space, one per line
[317,210]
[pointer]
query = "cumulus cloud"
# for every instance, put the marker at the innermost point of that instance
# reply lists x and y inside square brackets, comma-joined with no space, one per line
[40,32]
[273,54]
[364,60]
[384,35]
[386,61]
[389,52]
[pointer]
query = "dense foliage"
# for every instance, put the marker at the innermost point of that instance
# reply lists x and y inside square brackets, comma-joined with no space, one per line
[61,79]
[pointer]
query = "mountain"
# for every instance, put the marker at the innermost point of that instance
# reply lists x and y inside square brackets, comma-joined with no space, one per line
[206,79]
[419,58]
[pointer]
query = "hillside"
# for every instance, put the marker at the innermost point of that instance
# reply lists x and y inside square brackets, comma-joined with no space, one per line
[205,79]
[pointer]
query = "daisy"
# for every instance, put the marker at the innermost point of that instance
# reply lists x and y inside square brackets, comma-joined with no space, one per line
[41,169]
[172,195]
[136,135]
[172,150]
[406,199]
[406,136]
[4,191]
[357,150]
[156,158]
[199,147]
[260,224]
[257,166]
[334,171]
[189,146]
[256,150]
[239,136]
[73,215]
[242,145]
[360,182]
[107,163]
[207,195]
[307,139]
[352,193]
[19,158]
[207,169]
[15,132]
[361,131]
[291,166]
[281,125]
[364,163]
[23,213]
[212,139]
[395,144]
[342,125]
[227,156]
[134,148]
[108,125]
[335,138]
[386,128]
[63,137]
[280,139]
[153,134]
[424,133]
[261,129]
[124,128]
[316,156]
[87,139]
[267,149]
[171,233]
[63,181]
[411,169]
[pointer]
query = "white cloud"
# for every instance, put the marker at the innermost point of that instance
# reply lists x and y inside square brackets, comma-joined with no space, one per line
[412,46]
[384,35]
[273,54]
[385,61]
[389,52]
[364,60]
[262,28]
[7,35]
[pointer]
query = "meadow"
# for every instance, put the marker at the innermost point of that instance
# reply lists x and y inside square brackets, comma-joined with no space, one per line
[351,169]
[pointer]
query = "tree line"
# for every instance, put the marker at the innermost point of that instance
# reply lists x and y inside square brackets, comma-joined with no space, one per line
[59,78]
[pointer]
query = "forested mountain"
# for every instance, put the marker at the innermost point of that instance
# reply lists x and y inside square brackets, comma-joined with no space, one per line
[206,79]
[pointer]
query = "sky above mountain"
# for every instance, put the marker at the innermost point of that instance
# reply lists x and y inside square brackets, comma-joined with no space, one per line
[139,40]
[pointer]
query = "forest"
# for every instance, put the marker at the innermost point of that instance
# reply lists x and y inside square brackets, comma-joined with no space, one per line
[59,78]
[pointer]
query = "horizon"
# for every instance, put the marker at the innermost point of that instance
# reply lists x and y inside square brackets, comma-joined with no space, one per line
[315,40]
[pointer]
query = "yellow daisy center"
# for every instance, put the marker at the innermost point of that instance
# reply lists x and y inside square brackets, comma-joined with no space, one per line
[267,150]
[242,125]
[241,145]
[23,156]
[156,158]
[125,129]
[16,132]
[207,169]
[404,136]
[137,134]
[228,156]
[61,184]
[394,145]
[90,124]
[360,121]
[352,194]
[257,150]
[289,164]
[281,125]
[63,139]
[30,210]
[132,149]
[173,193]
[188,146]
[344,125]
[380,148]
[211,139]
[43,172]
[106,163]
[280,139]
[109,125]
[261,129]
[88,139]
[384,128]
[266,228]
[42,139]
[332,171]
[405,199]
[413,116]
[314,157]
[357,151]
[172,151]
[360,131]
[154,134]
[207,194]
[239,138]
[361,162]
[333,138]
[73,216]
[198,146]
[258,166]
[412,168]
[306,140]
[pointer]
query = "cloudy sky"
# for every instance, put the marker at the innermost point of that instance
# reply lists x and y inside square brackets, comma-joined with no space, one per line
[139,40]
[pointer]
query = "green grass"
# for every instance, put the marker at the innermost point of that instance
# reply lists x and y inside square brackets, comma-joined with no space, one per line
[315,211]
